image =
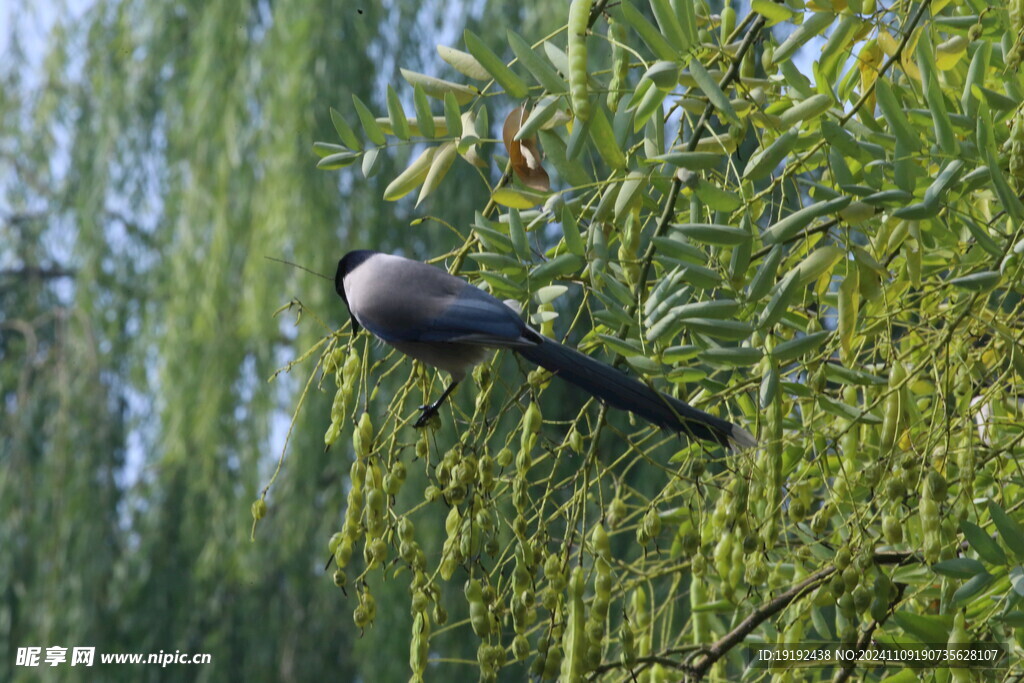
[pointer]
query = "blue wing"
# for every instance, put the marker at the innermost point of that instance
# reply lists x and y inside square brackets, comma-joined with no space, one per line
[475,317]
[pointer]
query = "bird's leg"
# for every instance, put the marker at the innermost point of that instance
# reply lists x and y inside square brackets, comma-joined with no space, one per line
[430,410]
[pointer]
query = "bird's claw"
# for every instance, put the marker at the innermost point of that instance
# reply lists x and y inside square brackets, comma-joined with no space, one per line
[429,411]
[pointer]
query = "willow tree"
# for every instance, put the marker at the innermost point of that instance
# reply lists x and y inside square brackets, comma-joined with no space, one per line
[807,219]
[151,155]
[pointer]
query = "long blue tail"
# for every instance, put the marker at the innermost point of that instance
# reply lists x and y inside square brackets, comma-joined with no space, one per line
[619,390]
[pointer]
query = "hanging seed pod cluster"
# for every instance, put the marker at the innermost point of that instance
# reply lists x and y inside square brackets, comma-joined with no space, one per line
[804,218]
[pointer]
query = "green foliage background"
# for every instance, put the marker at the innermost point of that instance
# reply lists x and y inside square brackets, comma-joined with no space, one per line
[805,218]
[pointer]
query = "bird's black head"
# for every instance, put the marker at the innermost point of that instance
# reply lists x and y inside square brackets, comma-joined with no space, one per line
[346,265]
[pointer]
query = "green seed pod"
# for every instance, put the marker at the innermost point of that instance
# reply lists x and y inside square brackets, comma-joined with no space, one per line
[652,523]
[478,616]
[628,645]
[405,529]
[620,63]
[617,511]
[722,554]
[343,553]
[361,616]
[574,640]
[504,458]
[485,473]
[259,509]
[892,529]
[419,647]
[420,602]
[335,541]
[728,23]
[532,420]
[843,558]
[851,577]
[362,437]
[339,578]
[332,433]
[880,598]
[520,647]
[601,546]
[892,414]
[579,16]
[379,551]
[862,598]
[553,662]
[357,474]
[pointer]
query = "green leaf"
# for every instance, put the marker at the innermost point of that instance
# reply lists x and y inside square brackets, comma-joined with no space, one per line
[664,75]
[764,278]
[764,161]
[452,115]
[625,347]
[514,85]
[439,166]
[812,26]
[718,199]
[1009,529]
[345,132]
[1017,580]
[836,50]
[973,586]
[772,11]
[959,567]
[517,233]
[694,161]
[648,33]
[424,117]
[517,199]
[719,235]
[500,262]
[369,123]
[709,86]
[926,628]
[670,25]
[571,171]
[371,162]
[977,282]
[539,115]
[780,301]
[338,160]
[944,181]
[630,194]
[817,263]
[810,108]
[798,220]
[546,295]
[604,139]
[323,149]
[437,88]
[399,122]
[731,330]
[732,356]
[798,346]
[558,267]
[463,62]
[571,231]
[892,110]
[539,68]
[839,409]
[983,544]
[409,179]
